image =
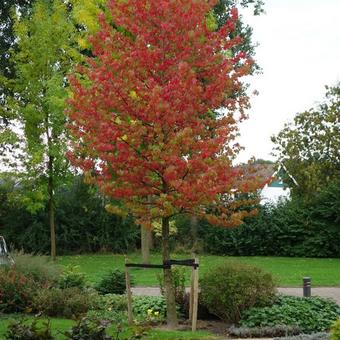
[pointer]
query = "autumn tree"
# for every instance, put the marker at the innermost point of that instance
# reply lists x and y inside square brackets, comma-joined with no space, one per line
[309,146]
[142,115]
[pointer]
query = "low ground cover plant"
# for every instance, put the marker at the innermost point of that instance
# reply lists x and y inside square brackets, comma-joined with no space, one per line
[148,309]
[313,314]
[232,288]
[313,336]
[263,332]
[24,330]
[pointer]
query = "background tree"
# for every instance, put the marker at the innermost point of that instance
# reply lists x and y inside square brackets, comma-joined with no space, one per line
[44,54]
[142,115]
[7,42]
[310,146]
[222,11]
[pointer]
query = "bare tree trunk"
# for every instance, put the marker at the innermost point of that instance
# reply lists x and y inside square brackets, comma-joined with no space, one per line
[145,244]
[51,217]
[150,237]
[193,229]
[169,288]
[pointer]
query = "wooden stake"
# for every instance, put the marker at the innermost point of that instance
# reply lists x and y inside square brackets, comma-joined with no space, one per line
[191,296]
[195,297]
[128,293]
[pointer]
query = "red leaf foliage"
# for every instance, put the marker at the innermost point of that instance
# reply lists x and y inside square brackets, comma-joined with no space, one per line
[142,111]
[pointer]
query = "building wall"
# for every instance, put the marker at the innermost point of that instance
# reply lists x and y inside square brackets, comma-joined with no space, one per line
[274,194]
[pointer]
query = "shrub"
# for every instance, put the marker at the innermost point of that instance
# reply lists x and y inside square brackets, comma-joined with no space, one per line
[230,289]
[39,268]
[89,328]
[69,302]
[335,330]
[22,330]
[263,332]
[71,277]
[149,308]
[178,281]
[112,283]
[16,291]
[313,314]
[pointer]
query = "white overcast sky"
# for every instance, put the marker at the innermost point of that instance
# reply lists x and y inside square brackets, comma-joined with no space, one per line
[299,52]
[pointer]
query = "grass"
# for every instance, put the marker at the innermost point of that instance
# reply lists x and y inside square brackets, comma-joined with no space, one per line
[59,326]
[287,271]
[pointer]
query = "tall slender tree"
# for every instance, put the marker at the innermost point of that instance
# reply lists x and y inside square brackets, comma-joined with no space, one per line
[142,115]
[43,56]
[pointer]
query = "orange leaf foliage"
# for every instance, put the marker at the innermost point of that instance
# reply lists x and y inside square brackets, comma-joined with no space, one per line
[142,111]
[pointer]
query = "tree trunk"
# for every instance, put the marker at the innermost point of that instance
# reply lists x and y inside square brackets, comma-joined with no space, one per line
[145,244]
[169,288]
[51,217]
[193,229]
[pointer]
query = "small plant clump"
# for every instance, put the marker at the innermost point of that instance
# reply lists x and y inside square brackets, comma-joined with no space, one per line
[71,277]
[23,330]
[89,328]
[112,283]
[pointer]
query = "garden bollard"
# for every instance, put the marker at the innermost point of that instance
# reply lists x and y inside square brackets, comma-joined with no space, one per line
[307,287]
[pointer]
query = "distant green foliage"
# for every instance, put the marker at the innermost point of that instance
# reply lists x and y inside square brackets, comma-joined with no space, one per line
[232,288]
[312,314]
[112,283]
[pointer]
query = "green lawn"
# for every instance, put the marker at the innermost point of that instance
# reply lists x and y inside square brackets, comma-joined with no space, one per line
[59,326]
[287,271]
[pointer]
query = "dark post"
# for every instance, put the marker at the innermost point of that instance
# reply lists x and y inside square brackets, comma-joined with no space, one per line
[307,287]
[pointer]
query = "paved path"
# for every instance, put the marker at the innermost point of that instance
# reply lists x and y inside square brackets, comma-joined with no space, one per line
[328,292]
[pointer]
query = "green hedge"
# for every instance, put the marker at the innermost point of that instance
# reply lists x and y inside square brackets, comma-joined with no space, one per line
[294,228]
[82,223]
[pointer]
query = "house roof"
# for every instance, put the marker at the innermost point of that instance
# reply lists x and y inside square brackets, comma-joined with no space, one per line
[267,173]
